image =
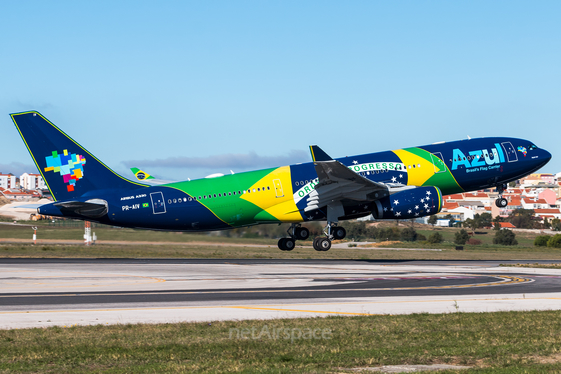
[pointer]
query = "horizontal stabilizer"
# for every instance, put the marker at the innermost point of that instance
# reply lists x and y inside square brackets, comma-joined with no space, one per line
[93,208]
[318,154]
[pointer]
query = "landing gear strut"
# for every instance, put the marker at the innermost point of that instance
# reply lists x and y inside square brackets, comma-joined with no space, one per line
[296,232]
[501,202]
[332,232]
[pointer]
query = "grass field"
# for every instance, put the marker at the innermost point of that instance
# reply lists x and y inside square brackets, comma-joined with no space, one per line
[119,242]
[504,342]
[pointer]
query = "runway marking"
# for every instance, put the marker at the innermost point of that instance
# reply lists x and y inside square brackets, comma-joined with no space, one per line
[270,307]
[506,280]
[298,310]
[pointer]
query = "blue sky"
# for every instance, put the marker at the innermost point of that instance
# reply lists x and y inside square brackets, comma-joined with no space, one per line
[185,89]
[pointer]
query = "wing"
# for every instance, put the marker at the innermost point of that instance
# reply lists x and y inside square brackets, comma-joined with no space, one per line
[336,182]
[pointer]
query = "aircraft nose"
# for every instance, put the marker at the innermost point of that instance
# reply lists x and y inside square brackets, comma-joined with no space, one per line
[544,157]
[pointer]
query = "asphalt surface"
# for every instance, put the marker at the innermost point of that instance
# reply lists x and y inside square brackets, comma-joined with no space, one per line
[126,285]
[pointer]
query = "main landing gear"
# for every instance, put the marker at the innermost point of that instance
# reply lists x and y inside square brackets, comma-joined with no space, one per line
[321,243]
[332,232]
[296,232]
[501,202]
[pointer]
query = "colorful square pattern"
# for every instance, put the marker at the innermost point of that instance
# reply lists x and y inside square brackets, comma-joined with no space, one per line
[69,165]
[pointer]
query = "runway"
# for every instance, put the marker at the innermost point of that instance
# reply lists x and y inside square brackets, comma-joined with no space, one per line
[47,292]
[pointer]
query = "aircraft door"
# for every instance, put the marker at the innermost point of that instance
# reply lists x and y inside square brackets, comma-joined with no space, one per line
[278,188]
[158,203]
[438,162]
[510,151]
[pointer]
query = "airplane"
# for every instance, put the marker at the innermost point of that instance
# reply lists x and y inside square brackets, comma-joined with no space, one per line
[399,184]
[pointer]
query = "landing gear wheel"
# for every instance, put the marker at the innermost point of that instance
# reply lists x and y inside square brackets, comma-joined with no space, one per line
[286,244]
[322,244]
[301,233]
[316,245]
[338,233]
[289,244]
[501,202]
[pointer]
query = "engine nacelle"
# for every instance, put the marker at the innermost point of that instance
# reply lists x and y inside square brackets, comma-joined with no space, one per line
[413,203]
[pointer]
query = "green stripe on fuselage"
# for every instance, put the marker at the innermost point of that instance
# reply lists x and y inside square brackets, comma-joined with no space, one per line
[229,207]
[445,180]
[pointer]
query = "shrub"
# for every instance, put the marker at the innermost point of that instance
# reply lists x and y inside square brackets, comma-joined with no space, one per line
[541,241]
[421,237]
[554,241]
[390,233]
[408,234]
[435,238]
[461,237]
[473,241]
[505,237]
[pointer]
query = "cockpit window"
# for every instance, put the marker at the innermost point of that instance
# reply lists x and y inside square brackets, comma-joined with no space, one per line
[532,146]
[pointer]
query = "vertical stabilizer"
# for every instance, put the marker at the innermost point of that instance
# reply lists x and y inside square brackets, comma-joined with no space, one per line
[68,169]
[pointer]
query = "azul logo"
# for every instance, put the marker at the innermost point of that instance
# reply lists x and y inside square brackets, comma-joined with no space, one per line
[69,165]
[479,158]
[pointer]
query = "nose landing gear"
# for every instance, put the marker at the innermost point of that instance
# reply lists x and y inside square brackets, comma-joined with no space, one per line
[501,202]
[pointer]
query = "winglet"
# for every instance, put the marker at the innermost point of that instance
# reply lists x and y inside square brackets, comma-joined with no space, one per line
[318,154]
[141,175]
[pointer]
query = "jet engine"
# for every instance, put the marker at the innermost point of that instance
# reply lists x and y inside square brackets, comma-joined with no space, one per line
[412,203]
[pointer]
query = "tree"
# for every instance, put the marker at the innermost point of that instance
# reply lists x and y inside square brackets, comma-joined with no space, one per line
[497,223]
[435,238]
[408,234]
[432,220]
[541,241]
[505,237]
[478,221]
[522,218]
[556,224]
[461,237]
[554,241]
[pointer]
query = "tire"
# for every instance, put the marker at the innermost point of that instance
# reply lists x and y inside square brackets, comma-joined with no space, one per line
[339,233]
[281,244]
[301,233]
[501,203]
[324,244]
[316,244]
[289,244]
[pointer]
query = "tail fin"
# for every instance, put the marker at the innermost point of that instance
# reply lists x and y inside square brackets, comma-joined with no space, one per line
[68,169]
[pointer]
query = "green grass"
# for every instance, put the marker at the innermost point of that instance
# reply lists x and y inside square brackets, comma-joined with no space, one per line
[123,243]
[503,342]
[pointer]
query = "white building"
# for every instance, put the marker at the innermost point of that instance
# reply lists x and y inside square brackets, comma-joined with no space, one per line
[31,181]
[7,181]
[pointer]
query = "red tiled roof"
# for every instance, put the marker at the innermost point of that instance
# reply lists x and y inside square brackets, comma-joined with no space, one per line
[450,205]
[543,211]
[530,200]
[507,225]
[477,195]
[455,196]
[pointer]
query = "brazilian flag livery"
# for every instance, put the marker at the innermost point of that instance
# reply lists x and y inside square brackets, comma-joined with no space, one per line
[403,183]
